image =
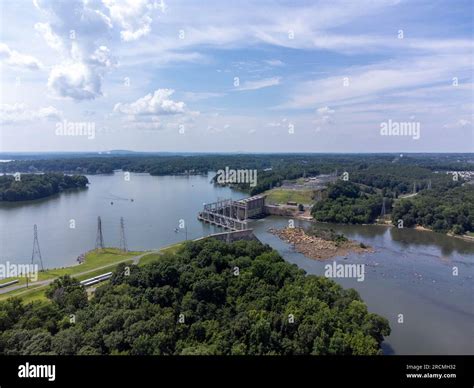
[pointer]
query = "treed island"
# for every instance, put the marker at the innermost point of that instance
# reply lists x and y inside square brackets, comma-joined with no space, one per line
[208,298]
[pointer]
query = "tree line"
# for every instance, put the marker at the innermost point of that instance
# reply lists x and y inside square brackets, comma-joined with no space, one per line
[444,209]
[348,203]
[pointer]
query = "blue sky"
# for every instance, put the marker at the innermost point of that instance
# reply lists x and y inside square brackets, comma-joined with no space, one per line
[314,76]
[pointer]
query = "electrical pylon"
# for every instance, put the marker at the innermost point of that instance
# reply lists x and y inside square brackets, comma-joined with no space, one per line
[36,255]
[99,241]
[123,240]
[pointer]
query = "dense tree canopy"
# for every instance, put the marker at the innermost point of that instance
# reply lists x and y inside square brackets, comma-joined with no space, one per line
[35,186]
[443,209]
[209,298]
[345,202]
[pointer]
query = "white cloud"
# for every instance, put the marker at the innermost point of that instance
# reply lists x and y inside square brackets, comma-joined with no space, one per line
[75,80]
[133,16]
[324,110]
[15,59]
[366,83]
[260,84]
[18,113]
[74,29]
[324,117]
[53,41]
[157,103]
[461,123]
[274,62]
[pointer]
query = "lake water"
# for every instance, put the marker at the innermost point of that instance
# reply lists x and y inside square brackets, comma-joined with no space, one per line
[410,272]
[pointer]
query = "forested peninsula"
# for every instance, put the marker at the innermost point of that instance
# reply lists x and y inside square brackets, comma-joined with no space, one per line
[208,298]
[27,187]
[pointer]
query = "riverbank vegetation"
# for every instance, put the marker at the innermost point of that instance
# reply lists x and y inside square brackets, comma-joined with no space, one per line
[208,298]
[34,186]
[444,209]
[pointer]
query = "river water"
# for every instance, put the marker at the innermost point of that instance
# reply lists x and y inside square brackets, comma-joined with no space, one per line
[410,272]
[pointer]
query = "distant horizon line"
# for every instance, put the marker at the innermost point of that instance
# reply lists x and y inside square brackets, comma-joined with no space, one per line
[123,152]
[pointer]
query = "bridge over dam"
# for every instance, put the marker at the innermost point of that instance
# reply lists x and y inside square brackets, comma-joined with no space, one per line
[233,215]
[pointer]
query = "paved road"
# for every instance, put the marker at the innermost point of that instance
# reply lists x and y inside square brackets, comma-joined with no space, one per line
[46,282]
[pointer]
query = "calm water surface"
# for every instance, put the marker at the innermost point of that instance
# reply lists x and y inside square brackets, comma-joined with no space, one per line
[410,272]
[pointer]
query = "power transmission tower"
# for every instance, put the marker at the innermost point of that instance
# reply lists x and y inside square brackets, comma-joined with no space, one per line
[414,187]
[123,240]
[429,184]
[36,255]
[99,241]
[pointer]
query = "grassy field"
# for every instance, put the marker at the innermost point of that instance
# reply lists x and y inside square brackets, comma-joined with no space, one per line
[285,195]
[94,259]
[151,257]
[96,263]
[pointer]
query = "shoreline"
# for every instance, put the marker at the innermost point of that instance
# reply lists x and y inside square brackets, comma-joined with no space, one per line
[421,228]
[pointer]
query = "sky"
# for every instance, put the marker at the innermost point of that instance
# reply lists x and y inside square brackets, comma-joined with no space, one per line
[237,76]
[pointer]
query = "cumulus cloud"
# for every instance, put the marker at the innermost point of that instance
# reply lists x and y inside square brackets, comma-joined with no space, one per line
[325,110]
[157,103]
[75,80]
[15,59]
[17,113]
[323,117]
[74,29]
[133,16]
[53,41]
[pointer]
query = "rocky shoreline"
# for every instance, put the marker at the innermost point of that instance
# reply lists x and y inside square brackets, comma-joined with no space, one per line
[317,247]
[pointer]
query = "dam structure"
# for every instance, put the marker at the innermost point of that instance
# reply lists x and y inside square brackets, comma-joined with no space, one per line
[233,215]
